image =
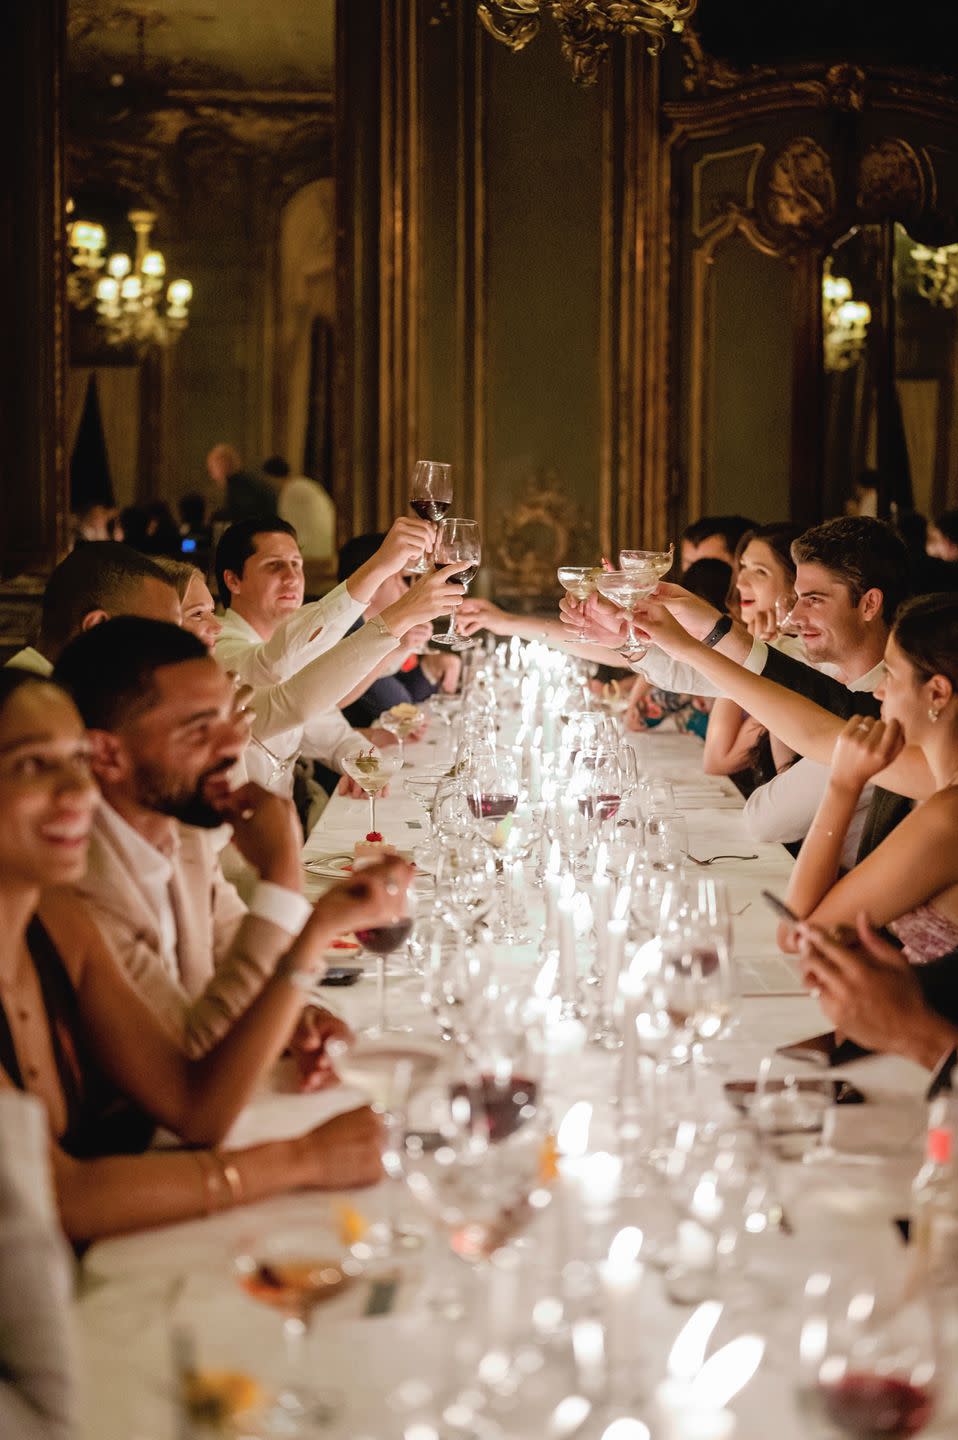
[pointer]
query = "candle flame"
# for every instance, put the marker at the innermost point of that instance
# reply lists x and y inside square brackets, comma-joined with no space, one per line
[727,1372]
[625,1246]
[623,900]
[601,860]
[555,858]
[573,1133]
[687,1355]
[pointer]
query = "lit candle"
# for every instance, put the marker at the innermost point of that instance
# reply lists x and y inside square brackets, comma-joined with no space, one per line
[535,767]
[601,892]
[614,951]
[552,884]
[620,1277]
[565,909]
[631,989]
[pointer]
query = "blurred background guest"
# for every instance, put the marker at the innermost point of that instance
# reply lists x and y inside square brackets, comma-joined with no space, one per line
[304,504]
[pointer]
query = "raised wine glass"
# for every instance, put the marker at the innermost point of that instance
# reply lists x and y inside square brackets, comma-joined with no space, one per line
[430,495]
[626,588]
[372,770]
[458,541]
[579,582]
[400,721]
[659,562]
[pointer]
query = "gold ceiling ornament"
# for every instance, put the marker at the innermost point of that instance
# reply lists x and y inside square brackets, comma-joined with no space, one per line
[131,308]
[586,27]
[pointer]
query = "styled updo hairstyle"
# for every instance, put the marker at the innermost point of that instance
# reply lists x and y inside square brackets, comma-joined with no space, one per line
[926,633]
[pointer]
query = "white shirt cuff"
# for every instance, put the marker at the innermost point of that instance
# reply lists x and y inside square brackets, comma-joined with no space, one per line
[280,906]
[757,656]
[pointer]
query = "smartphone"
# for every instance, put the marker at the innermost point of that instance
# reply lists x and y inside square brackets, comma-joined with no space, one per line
[780,907]
[342,975]
[824,1050]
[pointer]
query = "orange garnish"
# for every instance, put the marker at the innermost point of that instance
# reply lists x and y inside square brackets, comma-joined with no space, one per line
[549,1161]
[352,1225]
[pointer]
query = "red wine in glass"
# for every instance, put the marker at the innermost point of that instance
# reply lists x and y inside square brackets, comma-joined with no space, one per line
[600,807]
[506,1104]
[876,1407]
[491,807]
[428,509]
[462,577]
[384,939]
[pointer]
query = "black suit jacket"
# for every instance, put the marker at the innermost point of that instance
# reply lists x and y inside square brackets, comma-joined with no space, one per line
[886,809]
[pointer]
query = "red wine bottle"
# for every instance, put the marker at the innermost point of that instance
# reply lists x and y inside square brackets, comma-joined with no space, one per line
[491,807]
[876,1407]
[428,509]
[383,939]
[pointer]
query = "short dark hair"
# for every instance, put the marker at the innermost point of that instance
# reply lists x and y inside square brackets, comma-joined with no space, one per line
[109,670]
[237,544]
[730,527]
[926,632]
[710,579]
[864,553]
[101,575]
[357,551]
[276,465]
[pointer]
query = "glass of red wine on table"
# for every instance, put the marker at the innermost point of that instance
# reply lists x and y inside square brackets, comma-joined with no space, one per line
[458,541]
[430,497]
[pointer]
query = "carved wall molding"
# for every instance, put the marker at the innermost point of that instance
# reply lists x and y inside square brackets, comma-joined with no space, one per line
[800,187]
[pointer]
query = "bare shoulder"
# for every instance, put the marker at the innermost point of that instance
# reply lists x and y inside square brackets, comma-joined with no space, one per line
[70,924]
[938,813]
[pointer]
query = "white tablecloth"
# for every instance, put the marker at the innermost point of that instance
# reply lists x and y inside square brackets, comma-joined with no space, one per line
[133,1285]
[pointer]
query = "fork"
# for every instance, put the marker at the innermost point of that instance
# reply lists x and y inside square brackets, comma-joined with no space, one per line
[712,858]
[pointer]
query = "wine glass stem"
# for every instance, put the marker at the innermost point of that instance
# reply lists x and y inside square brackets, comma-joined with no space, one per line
[372,814]
[451,630]
[381,993]
[295,1330]
[402,752]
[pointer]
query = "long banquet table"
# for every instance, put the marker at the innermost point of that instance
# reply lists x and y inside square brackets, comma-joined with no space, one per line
[134,1289]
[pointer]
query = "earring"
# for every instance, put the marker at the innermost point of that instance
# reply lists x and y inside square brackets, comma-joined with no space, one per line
[933,714]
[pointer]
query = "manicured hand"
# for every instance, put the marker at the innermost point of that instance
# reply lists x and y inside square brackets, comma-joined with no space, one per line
[319,1031]
[863,749]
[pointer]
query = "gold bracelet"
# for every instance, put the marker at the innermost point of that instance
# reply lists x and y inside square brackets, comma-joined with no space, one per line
[231,1177]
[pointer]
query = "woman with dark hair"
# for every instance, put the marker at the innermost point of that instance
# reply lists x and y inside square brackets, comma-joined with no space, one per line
[74,1032]
[764,576]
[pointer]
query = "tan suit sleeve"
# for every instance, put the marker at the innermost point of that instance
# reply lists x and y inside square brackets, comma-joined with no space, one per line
[246,950]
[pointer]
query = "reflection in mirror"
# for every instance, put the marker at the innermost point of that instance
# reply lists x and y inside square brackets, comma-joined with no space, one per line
[926,311]
[851,301]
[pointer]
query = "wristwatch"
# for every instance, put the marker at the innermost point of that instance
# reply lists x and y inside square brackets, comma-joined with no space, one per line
[721,628]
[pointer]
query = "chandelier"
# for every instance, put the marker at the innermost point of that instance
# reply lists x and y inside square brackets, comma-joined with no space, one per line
[937,274]
[130,305]
[585,26]
[846,322]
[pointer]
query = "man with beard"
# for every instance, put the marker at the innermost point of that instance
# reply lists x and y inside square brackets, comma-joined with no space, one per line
[165,729]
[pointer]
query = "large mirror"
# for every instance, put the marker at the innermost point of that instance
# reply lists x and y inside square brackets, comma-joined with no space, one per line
[889,324]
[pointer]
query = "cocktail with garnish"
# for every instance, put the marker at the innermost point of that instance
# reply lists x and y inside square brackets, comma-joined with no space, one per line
[401,720]
[580,582]
[293,1269]
[626,588]
[372,770]
[658,561]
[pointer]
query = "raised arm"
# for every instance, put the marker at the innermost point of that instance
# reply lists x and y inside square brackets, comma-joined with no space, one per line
[805,727]
[480,614]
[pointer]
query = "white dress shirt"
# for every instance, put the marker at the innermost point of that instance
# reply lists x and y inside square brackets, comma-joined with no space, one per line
[306,506]
[782,810]
[298,678]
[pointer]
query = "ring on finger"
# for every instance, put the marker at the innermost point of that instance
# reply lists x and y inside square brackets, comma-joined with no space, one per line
[391,887]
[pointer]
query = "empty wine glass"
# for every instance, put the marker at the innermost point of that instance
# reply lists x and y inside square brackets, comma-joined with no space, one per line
[789,1105]
[784,605]
[465,883]
[458,540]
[430,495]
[401,721]
[372,770]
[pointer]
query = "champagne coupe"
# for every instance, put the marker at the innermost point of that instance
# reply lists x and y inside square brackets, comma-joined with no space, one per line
[626,588]
[400,721]
[430,495]
[372,770]
[458,541]
[293,1269]
[659,562]
[579,581]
